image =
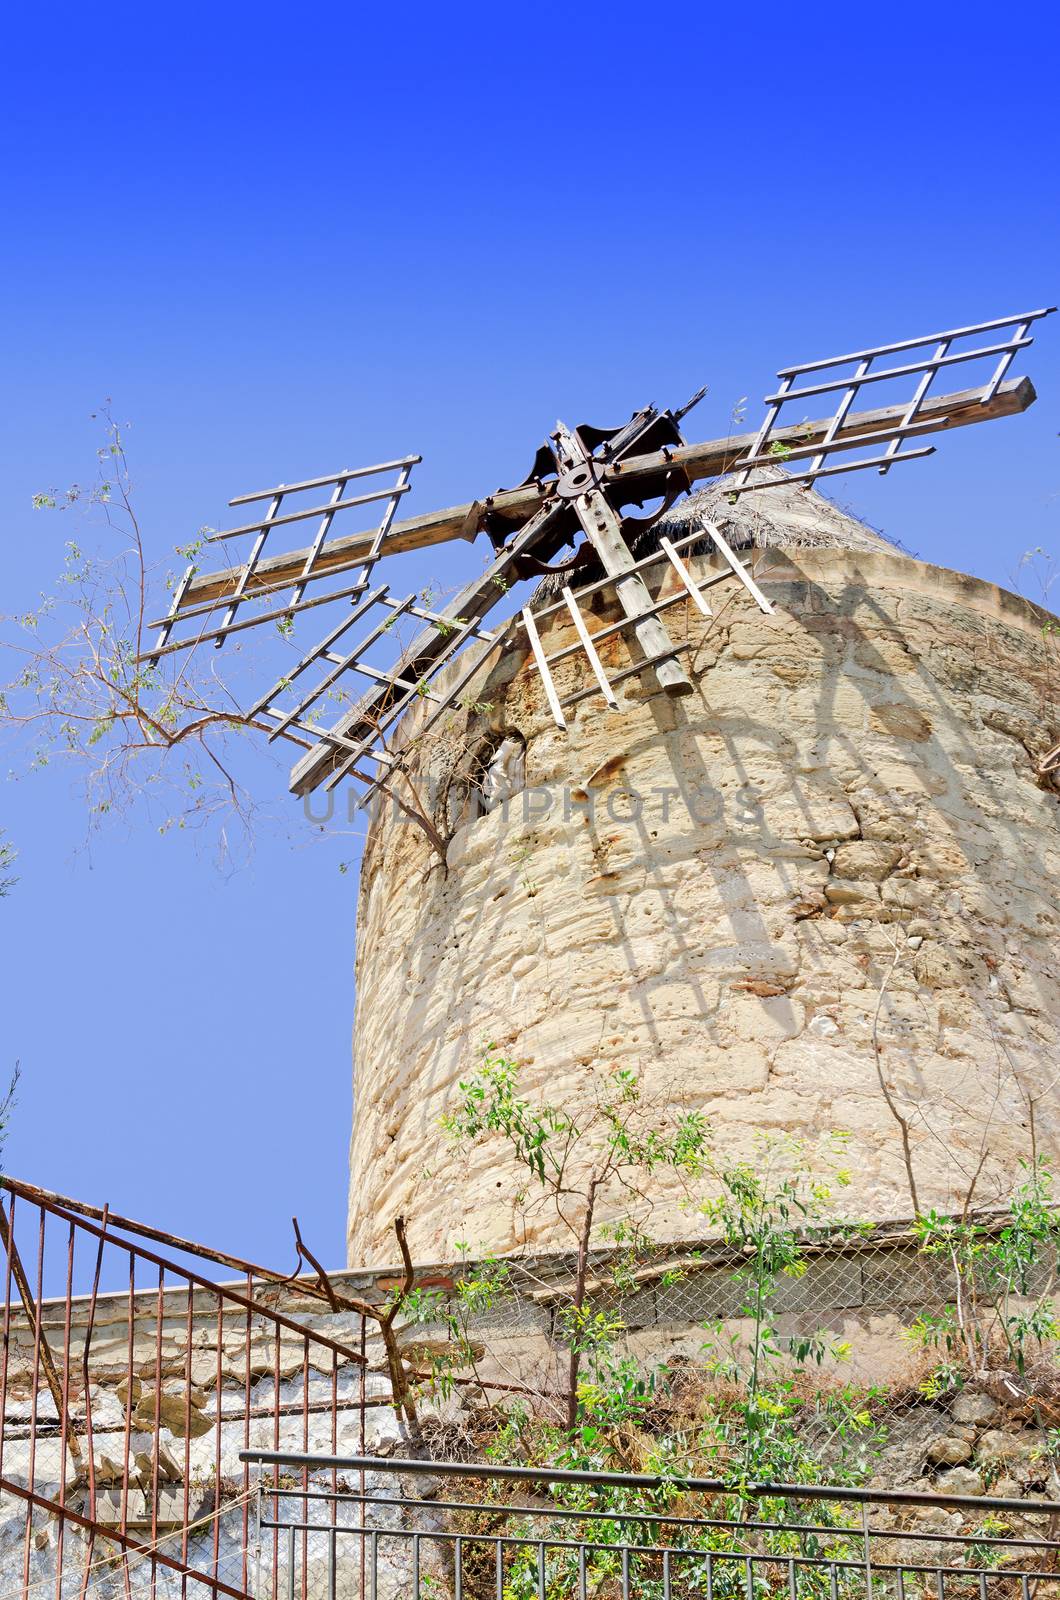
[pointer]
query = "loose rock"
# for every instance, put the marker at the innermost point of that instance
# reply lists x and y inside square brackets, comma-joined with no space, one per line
[947,1450]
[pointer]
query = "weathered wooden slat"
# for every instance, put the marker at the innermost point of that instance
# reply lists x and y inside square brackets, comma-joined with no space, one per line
[542,667]
[378,709]
[706,460]
[740,571]
[685,577]
[590,649]
[603,528]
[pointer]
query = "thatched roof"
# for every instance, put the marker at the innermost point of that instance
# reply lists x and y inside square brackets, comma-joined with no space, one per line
[786,514]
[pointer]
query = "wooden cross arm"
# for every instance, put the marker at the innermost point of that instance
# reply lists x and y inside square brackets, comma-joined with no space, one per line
[707,460]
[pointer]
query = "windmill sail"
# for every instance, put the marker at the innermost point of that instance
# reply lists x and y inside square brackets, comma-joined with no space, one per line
[579,495]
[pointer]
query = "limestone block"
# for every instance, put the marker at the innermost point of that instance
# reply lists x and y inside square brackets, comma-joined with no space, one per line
[872,859]
[904,1279]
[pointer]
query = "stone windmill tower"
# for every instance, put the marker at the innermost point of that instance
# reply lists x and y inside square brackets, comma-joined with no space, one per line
[791,853]
[819,892]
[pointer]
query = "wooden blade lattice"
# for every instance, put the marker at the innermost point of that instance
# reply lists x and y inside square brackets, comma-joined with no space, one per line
[596,474]
[767,450]
[246,585]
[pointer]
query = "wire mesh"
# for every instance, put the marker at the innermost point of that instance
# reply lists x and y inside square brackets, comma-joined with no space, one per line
[893,1331]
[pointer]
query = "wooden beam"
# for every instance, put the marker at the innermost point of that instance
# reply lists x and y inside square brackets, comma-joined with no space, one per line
[707,460]
[603,529]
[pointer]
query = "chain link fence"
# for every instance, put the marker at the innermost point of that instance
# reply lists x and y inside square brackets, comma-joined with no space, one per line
[870,1324]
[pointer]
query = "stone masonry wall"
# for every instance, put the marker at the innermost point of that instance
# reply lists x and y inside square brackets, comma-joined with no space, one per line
[843,864]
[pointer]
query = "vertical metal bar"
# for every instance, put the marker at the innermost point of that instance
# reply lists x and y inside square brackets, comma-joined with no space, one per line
[499,1569]
[915,403]
[9,1251]
[542,667]
[590,650]
[220,1336]
[36,1312]
[257,1542]
[65,1412]
[290,1560]
[685,577]
[246,1420]
[374,1564]
[458,1567]
[189,1335]
[156,1440]
[625,1573]
[65,1409]
[129,1401]
[739,569]
[90,1549]
[362,1438]
[665,1576]
[276,1469]
[332,1553]
[541,1595]
[244,576]
[90,1446]
[866,1543]
[305,1470]
[415,1566]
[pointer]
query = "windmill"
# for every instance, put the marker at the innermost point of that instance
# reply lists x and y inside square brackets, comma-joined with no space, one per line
[580,495]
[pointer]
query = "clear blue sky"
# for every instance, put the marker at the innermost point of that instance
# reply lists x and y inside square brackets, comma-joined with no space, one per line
[290,240]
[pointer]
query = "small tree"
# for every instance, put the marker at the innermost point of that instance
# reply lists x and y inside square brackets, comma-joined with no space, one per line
[1002,1309]
[572,1161]
[772,1212]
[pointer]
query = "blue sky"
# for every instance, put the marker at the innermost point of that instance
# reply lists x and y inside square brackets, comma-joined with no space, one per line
[285,242]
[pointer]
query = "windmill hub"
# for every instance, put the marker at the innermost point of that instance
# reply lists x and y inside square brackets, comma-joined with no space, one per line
[577,481]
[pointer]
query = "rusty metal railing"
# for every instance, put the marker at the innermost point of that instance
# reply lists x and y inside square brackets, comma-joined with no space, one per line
[123,1412]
